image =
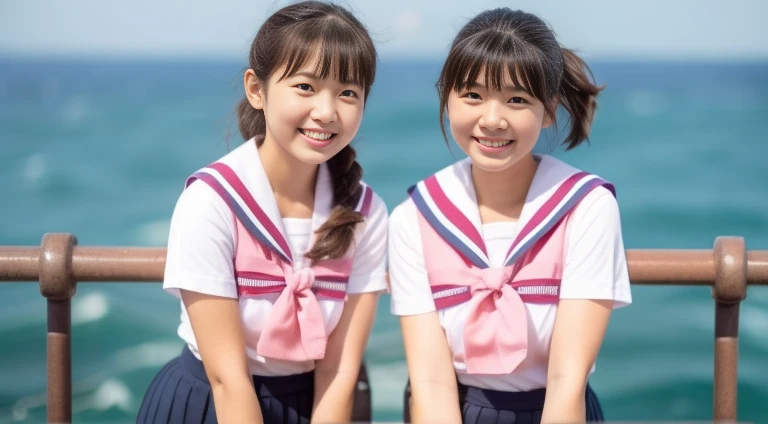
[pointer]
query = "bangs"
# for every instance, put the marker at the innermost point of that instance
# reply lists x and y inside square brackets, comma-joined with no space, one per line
[493,58]
[349,59]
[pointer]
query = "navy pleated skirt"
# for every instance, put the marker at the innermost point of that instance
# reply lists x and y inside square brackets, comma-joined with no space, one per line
[181,393]
[481,406]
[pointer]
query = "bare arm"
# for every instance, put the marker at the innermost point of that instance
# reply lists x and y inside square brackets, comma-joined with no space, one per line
[580,327]
[219,334]
[434,392]
[336,374]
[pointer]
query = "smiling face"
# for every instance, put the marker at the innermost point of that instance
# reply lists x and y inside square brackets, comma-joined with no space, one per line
[495,128]
[309,117]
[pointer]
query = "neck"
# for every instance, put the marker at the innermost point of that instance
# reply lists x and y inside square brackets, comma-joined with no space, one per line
[501,195]
[290,178]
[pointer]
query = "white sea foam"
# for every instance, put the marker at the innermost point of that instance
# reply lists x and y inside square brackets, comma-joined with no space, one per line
[111,393]
[34,168]
[89,307]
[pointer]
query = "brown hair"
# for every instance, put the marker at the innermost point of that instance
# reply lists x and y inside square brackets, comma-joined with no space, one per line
[291,37]
[503,42]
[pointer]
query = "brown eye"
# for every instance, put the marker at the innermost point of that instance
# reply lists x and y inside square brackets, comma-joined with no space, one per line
[518,100]
[304,87]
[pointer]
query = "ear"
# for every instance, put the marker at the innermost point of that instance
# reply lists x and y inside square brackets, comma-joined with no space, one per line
[254,90]
[549,119]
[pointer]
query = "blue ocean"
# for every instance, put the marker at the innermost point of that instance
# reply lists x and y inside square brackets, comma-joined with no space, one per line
[101,149]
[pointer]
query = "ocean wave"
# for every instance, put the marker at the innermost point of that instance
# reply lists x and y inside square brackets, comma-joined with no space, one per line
[89,307]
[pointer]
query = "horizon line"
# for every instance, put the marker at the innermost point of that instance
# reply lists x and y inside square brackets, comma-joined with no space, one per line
[389,57]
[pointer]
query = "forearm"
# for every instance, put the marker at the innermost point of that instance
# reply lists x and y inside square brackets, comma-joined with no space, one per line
[334,394]
[218,329]
[433,402]
[434,391]
[580,326]
[564,402]
[336,374]
[236,402]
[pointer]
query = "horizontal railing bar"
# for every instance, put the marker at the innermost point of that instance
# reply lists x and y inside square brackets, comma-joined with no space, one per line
[146,264]
[19,263]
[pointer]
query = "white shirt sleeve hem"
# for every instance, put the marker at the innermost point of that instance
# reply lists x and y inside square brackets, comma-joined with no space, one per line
[204,285]
[372,283]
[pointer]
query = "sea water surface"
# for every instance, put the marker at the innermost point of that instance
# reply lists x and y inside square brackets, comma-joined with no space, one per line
[101,149]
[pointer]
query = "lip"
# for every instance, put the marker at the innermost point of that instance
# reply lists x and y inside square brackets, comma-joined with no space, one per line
[317,143]
[488,149]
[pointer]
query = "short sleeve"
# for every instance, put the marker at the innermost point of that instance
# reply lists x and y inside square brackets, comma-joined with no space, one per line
[409,285]
[595,262]
[369,267]
[200,254]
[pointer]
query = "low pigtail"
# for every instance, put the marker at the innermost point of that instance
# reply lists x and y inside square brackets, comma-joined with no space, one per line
[578,96]
[336,234]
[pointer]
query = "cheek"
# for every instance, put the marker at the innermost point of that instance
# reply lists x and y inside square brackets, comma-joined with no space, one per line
[351,114]
[528,123]
[286,107]
[295,107]
[459,120]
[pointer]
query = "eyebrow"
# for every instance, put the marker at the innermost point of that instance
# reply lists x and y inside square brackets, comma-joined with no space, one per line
[306,74]
[513,88]
[314,76]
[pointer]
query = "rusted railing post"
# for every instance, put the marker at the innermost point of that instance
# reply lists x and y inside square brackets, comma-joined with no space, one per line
[57,285]
[729,290]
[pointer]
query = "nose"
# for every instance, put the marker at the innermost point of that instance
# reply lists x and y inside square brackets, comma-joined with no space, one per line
[324,109]
[492,117]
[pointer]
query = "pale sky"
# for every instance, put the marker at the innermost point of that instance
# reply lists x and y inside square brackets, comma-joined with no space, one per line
[678,29]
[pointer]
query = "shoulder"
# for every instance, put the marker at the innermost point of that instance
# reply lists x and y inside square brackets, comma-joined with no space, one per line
[403,215]
[596,213]
[595,264]
[202,218]
[200,198]
[404,226]
[594,228]
[377,213]
[599,200]
[410,289]
[200,201]
[373,231]
[201,244]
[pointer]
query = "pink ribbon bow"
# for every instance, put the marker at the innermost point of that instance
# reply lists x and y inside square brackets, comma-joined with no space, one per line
[295,329]
[496,332]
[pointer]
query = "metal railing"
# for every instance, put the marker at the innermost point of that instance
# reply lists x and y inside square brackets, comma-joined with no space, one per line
[58,264]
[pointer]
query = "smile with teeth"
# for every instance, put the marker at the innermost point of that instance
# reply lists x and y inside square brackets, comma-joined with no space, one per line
[492,143]
[319,136]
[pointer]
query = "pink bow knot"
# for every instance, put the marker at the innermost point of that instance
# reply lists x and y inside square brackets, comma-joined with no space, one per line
[295,328]
[496,333]
[492,279]
[300,280]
